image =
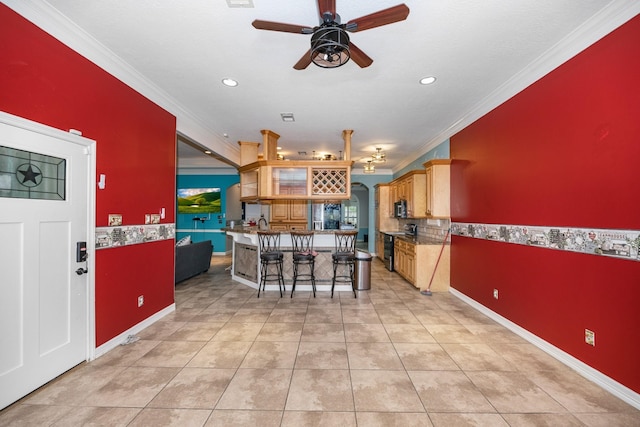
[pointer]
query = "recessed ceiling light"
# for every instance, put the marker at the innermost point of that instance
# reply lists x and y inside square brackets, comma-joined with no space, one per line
[240,3]
[207,151]
[427,80]
[230,82]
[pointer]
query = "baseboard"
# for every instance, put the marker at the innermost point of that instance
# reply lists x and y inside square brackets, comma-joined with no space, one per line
[118,340]
[593,375]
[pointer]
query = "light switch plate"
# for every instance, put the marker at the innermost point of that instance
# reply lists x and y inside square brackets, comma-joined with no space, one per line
[590,337]
[115,220]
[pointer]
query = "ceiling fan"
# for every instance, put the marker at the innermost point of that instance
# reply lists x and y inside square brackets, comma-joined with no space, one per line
[330,44]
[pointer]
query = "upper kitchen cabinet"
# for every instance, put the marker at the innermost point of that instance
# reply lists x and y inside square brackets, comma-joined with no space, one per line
[411,188]
[267,178]
[438,188]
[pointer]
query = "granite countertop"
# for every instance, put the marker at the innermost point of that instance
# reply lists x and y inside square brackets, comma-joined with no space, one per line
[421,240]
[254,229]
[418,240]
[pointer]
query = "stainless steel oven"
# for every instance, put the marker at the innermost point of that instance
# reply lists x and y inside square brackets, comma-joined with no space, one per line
[389,240]
[388,251]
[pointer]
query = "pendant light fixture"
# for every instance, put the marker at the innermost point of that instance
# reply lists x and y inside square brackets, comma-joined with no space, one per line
[369,167]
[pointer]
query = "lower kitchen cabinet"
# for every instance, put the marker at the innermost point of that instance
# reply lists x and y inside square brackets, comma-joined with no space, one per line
[416,264]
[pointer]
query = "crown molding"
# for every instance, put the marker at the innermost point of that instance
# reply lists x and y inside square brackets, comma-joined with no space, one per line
[614,15]
[50,20]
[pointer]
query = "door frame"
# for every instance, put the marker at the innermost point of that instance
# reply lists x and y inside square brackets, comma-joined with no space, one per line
[74,137]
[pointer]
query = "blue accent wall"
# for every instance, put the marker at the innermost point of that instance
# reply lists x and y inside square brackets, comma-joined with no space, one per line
[370,181]
[210,228]
[439,152]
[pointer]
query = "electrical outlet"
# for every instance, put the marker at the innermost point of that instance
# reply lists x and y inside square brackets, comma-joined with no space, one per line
[590,337]
[140,300]
[495,294]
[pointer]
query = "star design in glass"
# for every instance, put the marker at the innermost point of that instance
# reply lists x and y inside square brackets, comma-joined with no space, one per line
[31,175]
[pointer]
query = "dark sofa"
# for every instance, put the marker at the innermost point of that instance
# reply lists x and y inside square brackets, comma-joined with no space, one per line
[192,259]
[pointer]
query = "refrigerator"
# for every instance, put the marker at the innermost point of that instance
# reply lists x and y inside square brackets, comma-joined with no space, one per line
[326,216]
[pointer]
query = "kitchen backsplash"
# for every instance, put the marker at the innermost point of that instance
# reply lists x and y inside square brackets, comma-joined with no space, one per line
[433,229]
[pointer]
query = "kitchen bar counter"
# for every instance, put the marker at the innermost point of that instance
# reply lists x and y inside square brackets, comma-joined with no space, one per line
[253,229]
[246,260]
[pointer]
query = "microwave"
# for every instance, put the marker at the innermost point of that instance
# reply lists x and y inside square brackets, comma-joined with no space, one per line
[400,209]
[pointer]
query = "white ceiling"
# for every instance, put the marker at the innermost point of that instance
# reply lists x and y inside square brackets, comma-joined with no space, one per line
[176,53]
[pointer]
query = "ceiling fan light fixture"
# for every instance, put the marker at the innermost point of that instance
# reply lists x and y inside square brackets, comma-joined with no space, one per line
[330,47]
[379,156]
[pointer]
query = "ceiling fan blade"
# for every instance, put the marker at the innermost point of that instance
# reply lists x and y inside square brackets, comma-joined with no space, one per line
[278,26]
[359,57]
[327,6]
[382,17]
[304,61]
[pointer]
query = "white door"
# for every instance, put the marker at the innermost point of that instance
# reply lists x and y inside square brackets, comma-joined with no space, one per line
[43,213]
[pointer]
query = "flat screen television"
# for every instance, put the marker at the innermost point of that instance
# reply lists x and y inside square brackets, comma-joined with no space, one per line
[199,200]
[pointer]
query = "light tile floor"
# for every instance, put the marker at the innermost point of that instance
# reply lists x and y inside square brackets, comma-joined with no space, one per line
[391,357]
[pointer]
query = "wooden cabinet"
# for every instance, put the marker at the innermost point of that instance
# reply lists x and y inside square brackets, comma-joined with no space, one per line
[279,211]
[438,187]
[298,211]
[393,197]
[262,177]
[411,188]
[404,259]
[384,208]
[289,214]
[287,226]
[384,219]
[416,196]
[318,180]
[380,245]
[417,263]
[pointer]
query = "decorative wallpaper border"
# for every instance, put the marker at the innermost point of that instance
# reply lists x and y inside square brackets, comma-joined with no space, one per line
[622,244]
[110,237]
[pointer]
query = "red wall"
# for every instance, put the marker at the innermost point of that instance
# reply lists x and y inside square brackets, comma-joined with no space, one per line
[43,80]
[563,152]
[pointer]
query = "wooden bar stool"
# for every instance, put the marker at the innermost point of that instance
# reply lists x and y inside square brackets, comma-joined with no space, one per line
[303,255]
[270,256]
[344,257]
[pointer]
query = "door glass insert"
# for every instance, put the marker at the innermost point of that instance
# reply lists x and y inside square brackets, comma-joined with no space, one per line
[27,175]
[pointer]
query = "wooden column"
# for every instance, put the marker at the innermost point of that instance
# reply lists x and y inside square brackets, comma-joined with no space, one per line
[346,136]
[270,144]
